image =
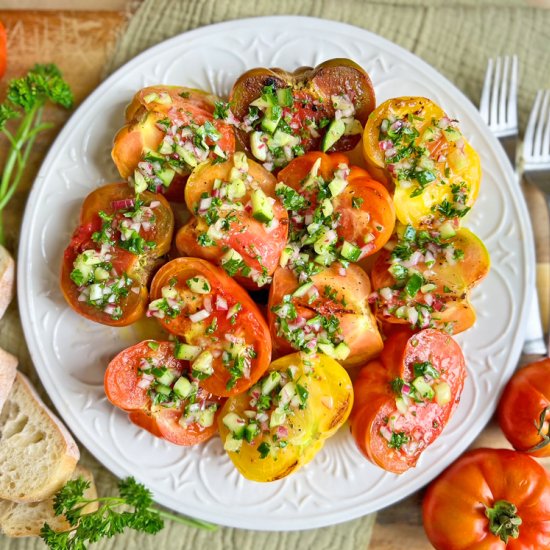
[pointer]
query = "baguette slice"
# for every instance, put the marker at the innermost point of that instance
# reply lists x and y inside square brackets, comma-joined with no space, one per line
[37,453]
[7,280]
[26,520]
[8,367]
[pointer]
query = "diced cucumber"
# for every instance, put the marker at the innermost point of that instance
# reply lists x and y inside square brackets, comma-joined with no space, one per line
[166,176]
[240,162]
[452,134]
[218,151]
[446,230]
[271,382]
[271,119]
[169,292]
[149,98]
[140,184]
[261,103]
[326,239]
[285,256]
[236,189]
[326,207]
[232,445]
[183,388]
[353,127]
[334,132]
[96,292]
[231,255]
[427,288]
[423,388]
[336,186]
[341,351]
[187,156]
[199,284]
[302,290]
[278,417]
[325,259]
[251,431]
[282,138]
[166,378]
[164,99]
[258,147]
[235,424]
[206,416]
[442,393]
[100,274]
[166,148]
[262,209]
[186,352]
[164,390]
[284,97]
[350,252]
[89,257]
[287,392]
[327,349]
[204,363]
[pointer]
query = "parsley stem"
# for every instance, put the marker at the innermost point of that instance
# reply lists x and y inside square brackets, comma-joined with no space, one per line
[191,522]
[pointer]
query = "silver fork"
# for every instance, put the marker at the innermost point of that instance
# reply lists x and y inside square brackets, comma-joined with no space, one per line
[536,147]
[498,107]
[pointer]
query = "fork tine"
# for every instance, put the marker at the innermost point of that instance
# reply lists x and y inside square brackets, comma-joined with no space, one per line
[486,92]
[513,97]
[502,104]
[545,147]
[528,141]
[537,146]
[493,115]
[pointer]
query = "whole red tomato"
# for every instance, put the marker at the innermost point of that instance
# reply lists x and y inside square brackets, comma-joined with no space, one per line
[489,499]
[524,409]
[3,50]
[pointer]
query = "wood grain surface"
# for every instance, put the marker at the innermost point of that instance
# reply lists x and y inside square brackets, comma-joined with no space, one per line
[79,42]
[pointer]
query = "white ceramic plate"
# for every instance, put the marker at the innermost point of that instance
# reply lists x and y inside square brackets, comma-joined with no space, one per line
[71,353]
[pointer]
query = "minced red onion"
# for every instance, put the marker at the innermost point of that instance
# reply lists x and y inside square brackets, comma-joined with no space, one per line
[144,383]
[122,203]
[200,315]
[221,303]
[207,302]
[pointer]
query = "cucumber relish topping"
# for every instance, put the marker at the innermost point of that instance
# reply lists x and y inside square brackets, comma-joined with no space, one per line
[210,343]
[170,388]
[418,158]
[411,399]
[225,211]
[185,144]
[282,122]
[274,401]
[415,295]
[98,283]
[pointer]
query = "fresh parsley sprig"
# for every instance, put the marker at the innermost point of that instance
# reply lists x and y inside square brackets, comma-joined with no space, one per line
[132,509]
[25,100]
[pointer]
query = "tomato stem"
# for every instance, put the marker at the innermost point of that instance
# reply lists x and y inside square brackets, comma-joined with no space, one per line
[540,426]
[503,520]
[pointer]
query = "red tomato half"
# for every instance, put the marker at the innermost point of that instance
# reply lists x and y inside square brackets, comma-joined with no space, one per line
[112,253]
[365,212]
[228,223]
[133,384]
[404,399]
[218,317]
[524,409]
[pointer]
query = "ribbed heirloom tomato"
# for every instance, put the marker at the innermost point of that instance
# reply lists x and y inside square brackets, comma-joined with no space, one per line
[489,499]
[169,130]
[224,334]
[404,399]
[281,423]
[120,240]
[160,393]
[524,409]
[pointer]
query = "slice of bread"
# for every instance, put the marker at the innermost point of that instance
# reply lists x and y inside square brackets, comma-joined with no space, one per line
[8,367]
[26,520]
[7,280]
[37,453]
